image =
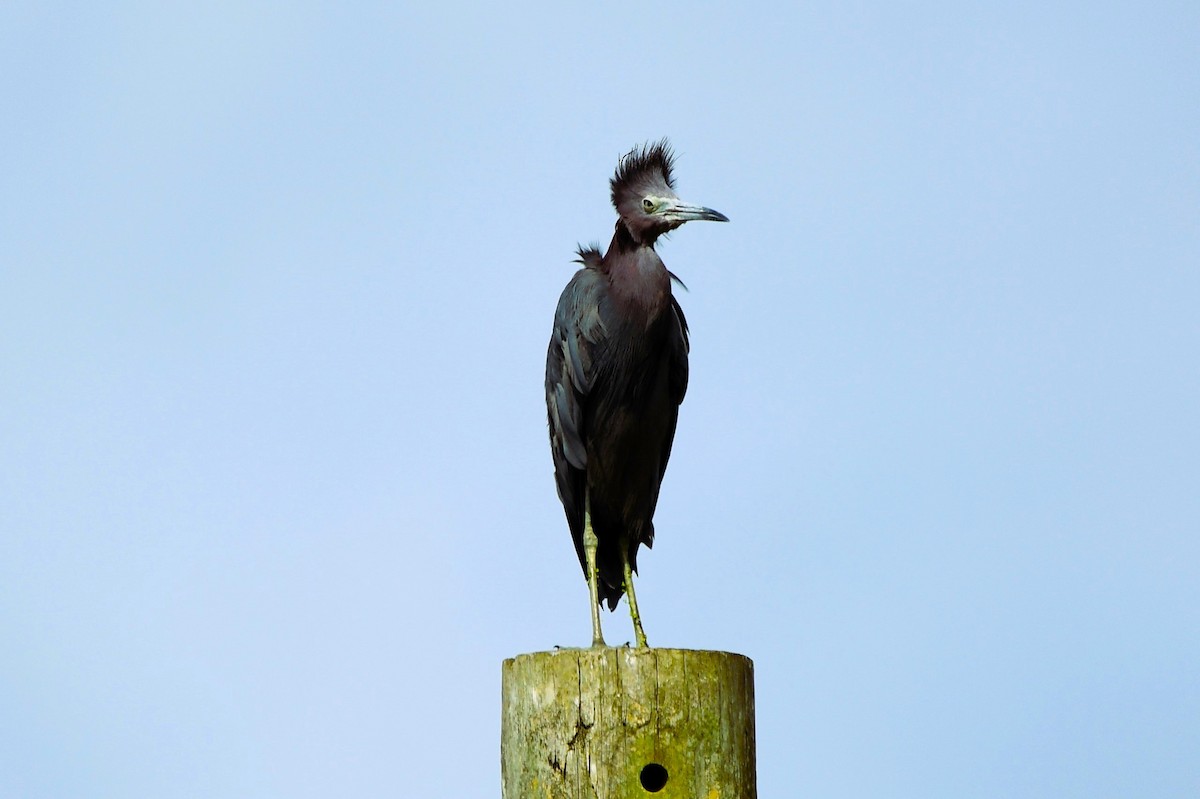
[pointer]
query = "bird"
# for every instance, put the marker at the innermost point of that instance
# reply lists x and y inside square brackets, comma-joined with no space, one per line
[616,373]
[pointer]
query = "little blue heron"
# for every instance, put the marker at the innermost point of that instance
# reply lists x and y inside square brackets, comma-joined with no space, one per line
[616,372]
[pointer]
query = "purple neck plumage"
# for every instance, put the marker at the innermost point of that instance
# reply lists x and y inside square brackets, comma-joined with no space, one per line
[636,273]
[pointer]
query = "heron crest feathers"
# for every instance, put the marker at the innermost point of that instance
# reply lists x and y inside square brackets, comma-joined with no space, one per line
[651,162]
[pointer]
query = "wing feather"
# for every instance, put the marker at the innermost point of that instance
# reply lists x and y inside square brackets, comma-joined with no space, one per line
[578,331]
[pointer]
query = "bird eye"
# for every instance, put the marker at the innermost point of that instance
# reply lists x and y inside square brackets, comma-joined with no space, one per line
[648,204]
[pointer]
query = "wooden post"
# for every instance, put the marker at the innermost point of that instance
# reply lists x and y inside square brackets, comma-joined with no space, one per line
[621,723]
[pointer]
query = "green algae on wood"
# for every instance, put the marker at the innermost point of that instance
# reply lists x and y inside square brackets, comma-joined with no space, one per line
[620,723]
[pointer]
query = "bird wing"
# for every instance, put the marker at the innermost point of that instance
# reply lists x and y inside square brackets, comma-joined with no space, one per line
[680,347]
[578,332]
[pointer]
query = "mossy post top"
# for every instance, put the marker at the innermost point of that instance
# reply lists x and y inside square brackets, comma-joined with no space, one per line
[624,722]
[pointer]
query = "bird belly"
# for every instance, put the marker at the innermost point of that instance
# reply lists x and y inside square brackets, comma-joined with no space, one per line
[627,451]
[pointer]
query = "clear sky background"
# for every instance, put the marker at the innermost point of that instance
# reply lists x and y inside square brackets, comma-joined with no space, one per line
[277,282]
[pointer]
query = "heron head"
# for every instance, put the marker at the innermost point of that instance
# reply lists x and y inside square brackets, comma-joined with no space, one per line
[643,192]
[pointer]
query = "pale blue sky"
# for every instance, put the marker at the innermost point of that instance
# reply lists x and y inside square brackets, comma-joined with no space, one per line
[277,281]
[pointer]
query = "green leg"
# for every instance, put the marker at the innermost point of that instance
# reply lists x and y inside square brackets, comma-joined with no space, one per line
[638,632]
[593,574]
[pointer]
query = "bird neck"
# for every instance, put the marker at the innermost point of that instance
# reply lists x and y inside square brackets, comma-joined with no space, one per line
[636,273]
[629,235]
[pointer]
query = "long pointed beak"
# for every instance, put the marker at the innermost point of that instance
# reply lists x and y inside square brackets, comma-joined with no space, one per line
[685,212]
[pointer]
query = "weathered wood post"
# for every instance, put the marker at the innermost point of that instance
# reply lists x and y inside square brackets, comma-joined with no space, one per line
[620,723]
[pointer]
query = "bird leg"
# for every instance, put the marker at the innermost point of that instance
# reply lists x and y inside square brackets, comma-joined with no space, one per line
[638,632]
[590,543]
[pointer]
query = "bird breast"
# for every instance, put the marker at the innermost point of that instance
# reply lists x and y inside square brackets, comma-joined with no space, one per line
[641,285]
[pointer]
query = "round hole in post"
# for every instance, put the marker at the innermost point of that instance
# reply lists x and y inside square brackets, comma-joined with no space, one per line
[654,777]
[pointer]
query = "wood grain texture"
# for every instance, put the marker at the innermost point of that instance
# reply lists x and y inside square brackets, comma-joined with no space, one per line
[616,723]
